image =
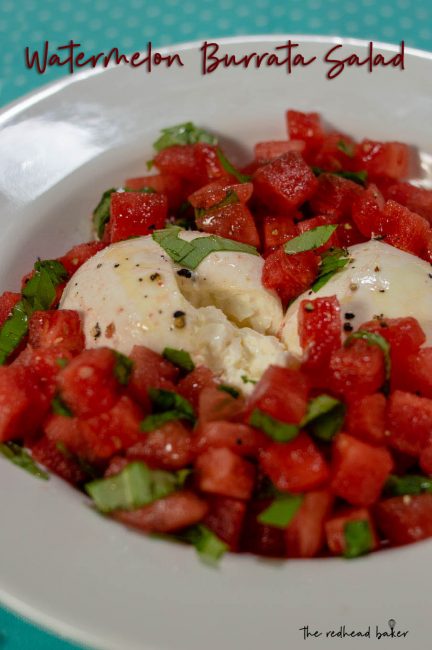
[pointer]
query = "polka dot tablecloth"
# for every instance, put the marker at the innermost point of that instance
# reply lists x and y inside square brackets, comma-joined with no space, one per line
[100,25]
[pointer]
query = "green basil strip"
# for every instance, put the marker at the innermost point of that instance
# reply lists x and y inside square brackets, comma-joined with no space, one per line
[157,420]
[230,169]
[134,487]
[38,294]
[374,339]
[281,511]
[182,134]
[332,261]
[230,390]
[167,406]
[191,254]
[409,484]
[275,429]
[358,538]
[359,177]
[123,368]
[230,198]
[20,457]
[60,408]
[309,240]
[179,358]
[209,547]
[101,213]
[347,148]
[325,416]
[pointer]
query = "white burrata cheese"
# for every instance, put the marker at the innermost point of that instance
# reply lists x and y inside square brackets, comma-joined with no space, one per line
[132,293]
[381,281]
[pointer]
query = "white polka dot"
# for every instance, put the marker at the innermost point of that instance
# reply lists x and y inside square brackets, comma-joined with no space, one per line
[80,17]
[370,20]
[297,14]
[422,14]
[223,23]
[153,11]
[333,14]
[58,25]
[95,24]
[425,33]
[20,80]
[149,31]
[64,7]
[261,21]
[45,15]
[186,28]
[168,19]
[132,21]
[262,4]
[242,12]
[352,27]
[315,22]
[206,15]
[127,42]
[90,44]
[406,22]
[351,8]
[7,7]
[403,4]
[3,26]
[386,11]
[388,30]
[112,32]
[277,11]
[136,4]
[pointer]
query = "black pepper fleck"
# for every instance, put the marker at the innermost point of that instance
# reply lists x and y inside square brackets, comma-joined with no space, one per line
[430,275]
[185,273]
[116,265]
[382,290]
[349,315]
[377,269]
[348,327]
[239,441]
[99,265]
[96,331]
[178,314]
[155,276]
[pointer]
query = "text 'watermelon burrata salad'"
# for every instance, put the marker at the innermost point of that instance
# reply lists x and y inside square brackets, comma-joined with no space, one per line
[241,359]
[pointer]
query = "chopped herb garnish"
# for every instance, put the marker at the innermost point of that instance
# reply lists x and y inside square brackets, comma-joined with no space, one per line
[358,538]
[59,407]
[167,406]
[359,177]
[281,511]
[246,380]
[324,417]
[409,484]
[142,190]
[61,362]
[230,390]
[332,261]
[372,338]
[20,457]
[275,429]
[122,368]
[309,240]
[208,546]
[181,134]
[38,294]
[230,169]
[179,358]
[230,198]
[135,486]
[191,254]
[101,213]
[346,147]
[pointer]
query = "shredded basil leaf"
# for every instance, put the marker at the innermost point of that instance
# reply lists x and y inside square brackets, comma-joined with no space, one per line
[61,362]
[275,429]
[281,511]
[208,546]
[246,380]
[179,358]
[20,457]
[372,338]
[409,484]
[346,147]
[191,254]
[135,486]
[181,134]
[230,198]
[359,177]
[122,368]
[142,190]
[60,408]
[309,240]
[167,406]
[38,294]
[230,390]
[358,538]
[324,417]
[332,261]
[101,213]
[230,169]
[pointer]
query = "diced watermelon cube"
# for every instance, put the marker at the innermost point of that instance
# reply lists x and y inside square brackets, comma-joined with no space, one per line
[426,459]
[215,404]
[335,153]
[179,160]
[281,393]
[66,431]
[306,127]
[409,420]
[233,221]
[389,159]
[359,470]
[404,229]
[267,151]
[366,418]
[150,370]
[406,519]
[134,214]
[88,385]
[56,328]
[416,199]
[8,300]
[191,386]
[285,183]
[357,370]
[295,466]
[289,275]
[225,518]
[167,515]
[167,184]
[239,438]
[304,537]
[16,402]
[277,230]
[42,367]
[415,373]
[168,447]
[221,471]
[46,452]
[258,538]
[334,196]
[321,220]
[210,195]
[320,326]
[366,211]
[209,163]
[335,529]
[79,254]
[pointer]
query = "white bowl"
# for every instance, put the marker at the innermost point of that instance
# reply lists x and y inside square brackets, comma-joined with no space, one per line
[85,576]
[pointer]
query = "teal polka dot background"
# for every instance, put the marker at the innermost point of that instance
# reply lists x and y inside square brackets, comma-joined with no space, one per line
[100,25]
